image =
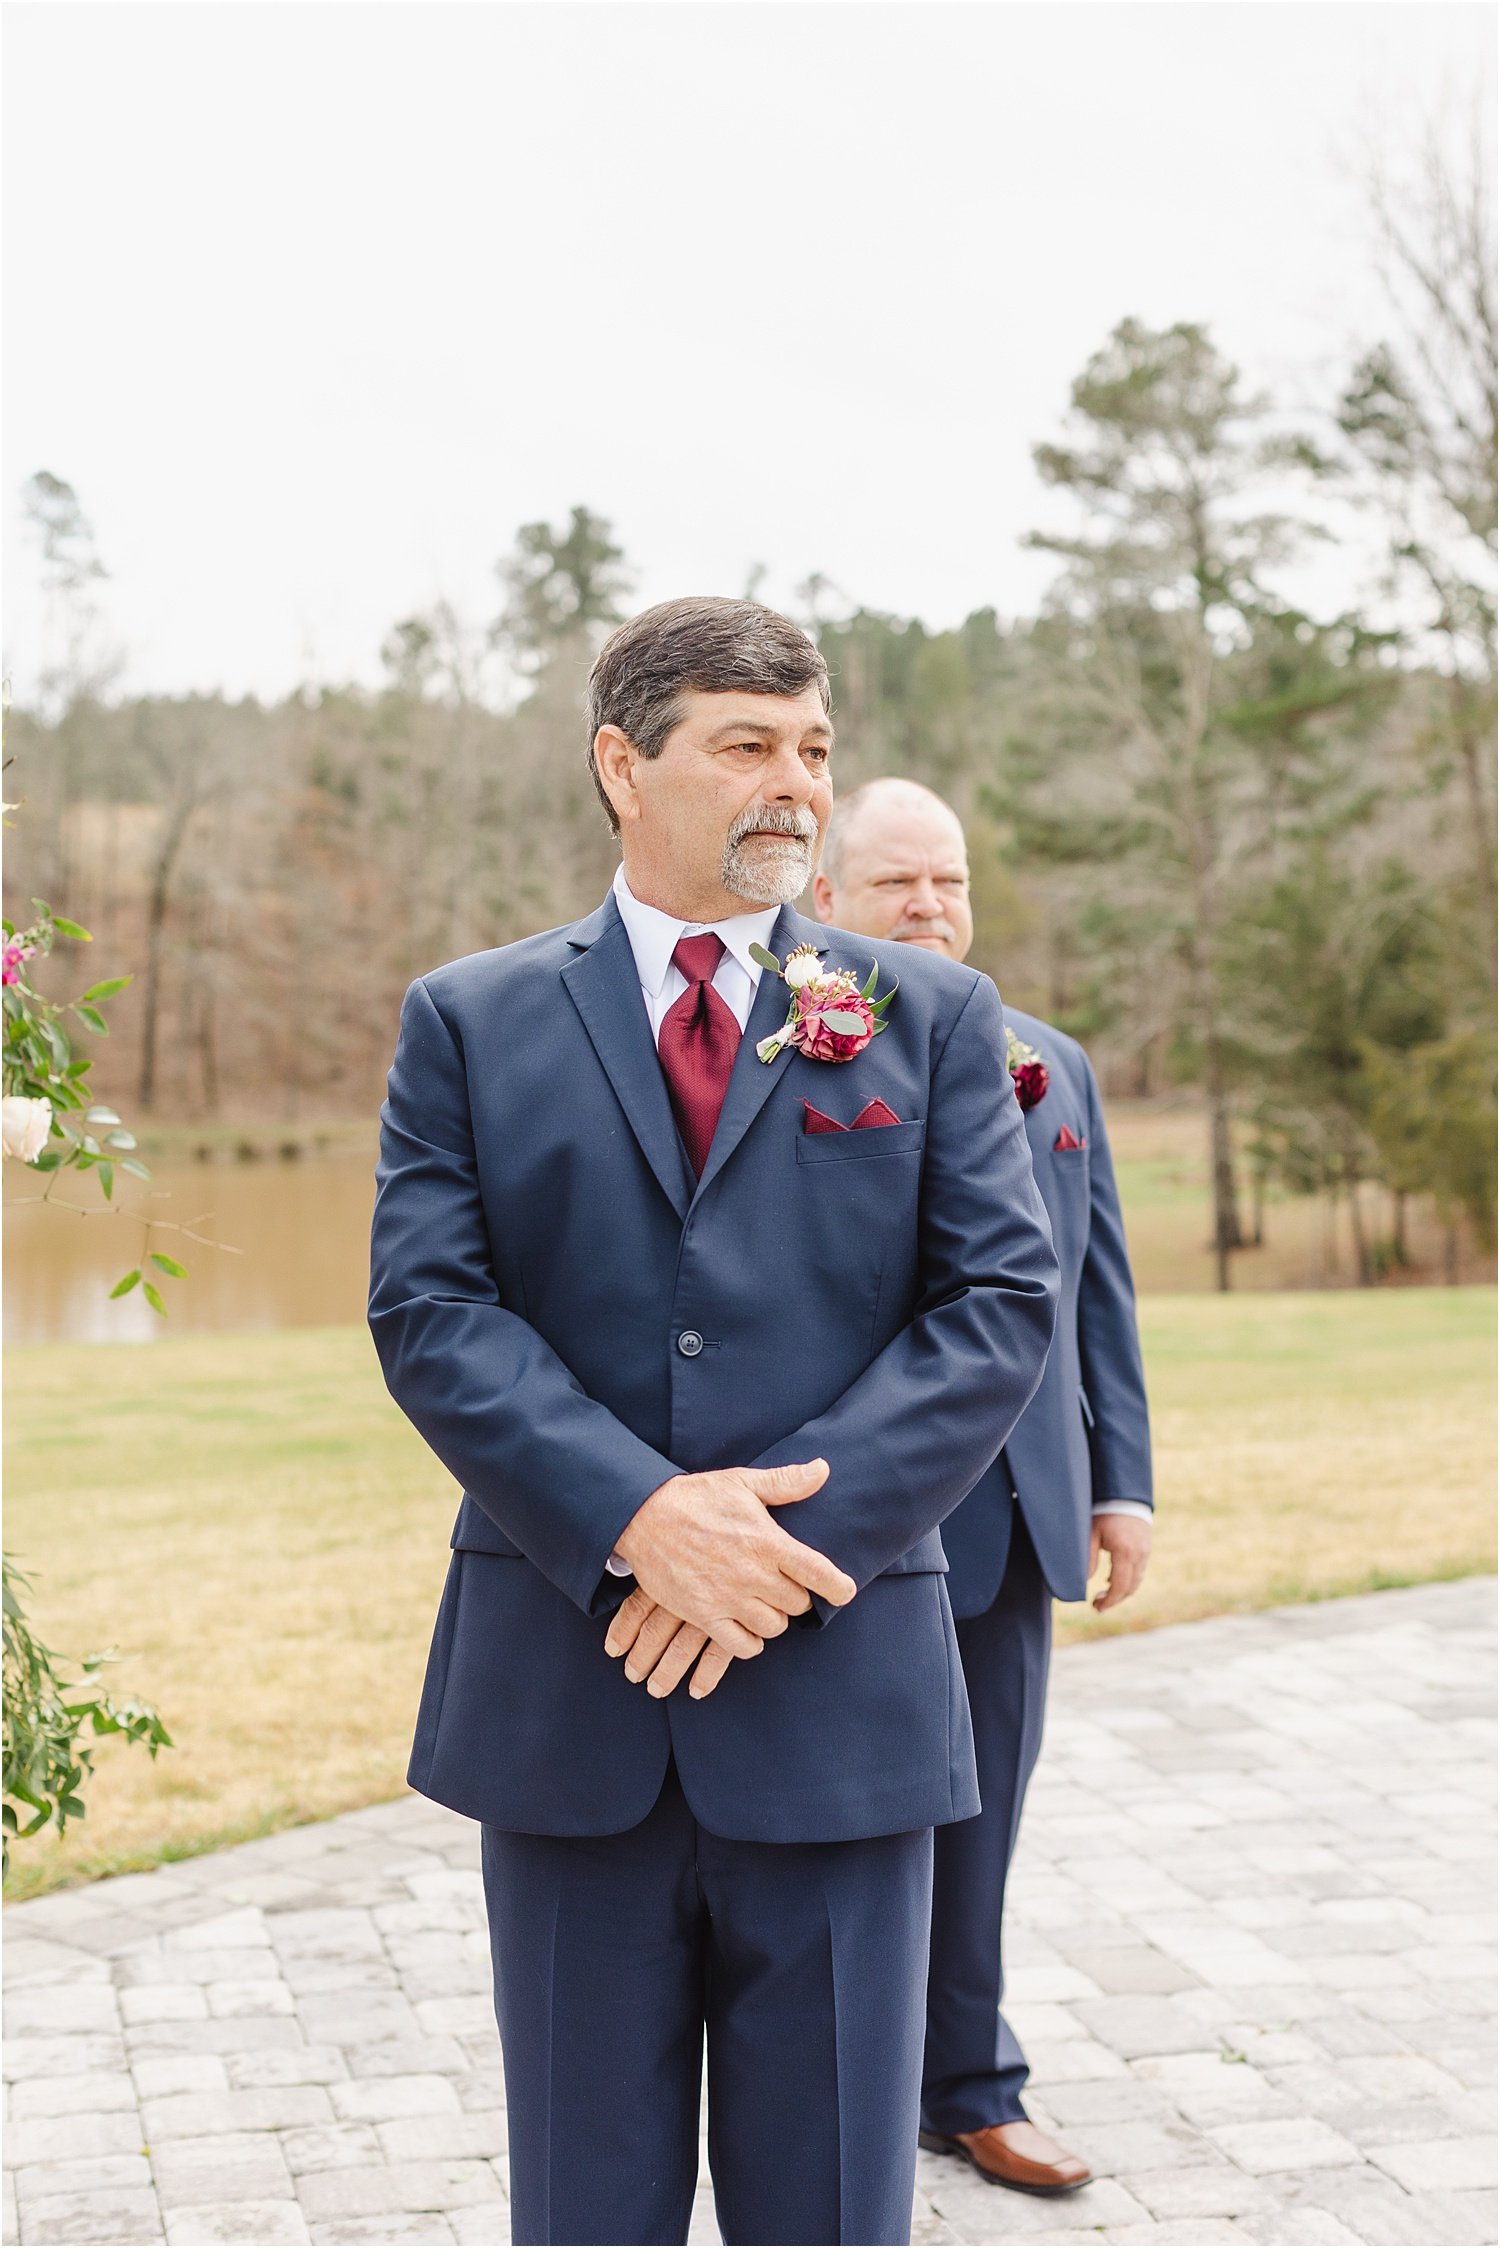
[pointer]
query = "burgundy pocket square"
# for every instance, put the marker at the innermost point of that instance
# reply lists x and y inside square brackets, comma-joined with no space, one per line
[873,1112]
[1067,1141]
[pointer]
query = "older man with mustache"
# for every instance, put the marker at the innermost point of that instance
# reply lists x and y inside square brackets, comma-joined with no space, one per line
[1073,1482]
[712,1335]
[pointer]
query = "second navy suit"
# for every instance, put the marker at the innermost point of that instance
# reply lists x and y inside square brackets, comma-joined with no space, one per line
[1019,1540]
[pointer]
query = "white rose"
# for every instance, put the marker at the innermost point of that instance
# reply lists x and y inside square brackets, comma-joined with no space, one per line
[802,967]
[25,1126]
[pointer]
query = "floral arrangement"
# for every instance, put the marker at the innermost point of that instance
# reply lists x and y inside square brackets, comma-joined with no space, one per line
[1028,1072]
[832,1016]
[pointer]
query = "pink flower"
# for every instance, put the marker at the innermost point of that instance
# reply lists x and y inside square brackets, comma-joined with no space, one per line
[833,1021]
[832,1016]
[10,960]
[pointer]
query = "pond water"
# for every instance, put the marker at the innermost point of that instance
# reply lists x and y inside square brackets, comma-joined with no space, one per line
[291,1249]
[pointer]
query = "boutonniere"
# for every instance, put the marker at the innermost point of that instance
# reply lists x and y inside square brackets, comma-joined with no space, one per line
[1028,1072]
[832,1016]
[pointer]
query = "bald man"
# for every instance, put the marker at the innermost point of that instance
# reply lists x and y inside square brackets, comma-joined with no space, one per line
[1073,1483]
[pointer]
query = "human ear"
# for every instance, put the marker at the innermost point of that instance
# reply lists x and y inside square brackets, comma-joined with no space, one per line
[822,897]
[614,761]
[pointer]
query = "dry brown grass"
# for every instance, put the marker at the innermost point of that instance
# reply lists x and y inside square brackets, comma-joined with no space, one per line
[252,1519]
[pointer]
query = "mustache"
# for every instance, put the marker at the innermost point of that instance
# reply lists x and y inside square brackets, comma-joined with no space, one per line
[926,929]
[798,824]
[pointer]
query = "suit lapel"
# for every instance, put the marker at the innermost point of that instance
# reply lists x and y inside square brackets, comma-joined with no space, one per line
[605,988]
[753,1081]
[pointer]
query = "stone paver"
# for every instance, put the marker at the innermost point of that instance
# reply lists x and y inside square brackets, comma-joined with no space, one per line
[1251,1954]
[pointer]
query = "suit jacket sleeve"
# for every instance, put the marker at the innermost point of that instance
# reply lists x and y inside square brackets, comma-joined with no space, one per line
[1108,1341]
[553,1467]
[913,1435]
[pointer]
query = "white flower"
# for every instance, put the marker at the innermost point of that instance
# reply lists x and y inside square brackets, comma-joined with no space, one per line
[802,967]
[25,1126]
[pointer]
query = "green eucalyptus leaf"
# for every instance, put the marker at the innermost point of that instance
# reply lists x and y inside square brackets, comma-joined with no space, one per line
[66,928]
[93,1018]
[107,1180]
[153,1298]
[169,1264]
[136,1170]
[108,988]
[123,1287]
[764,959]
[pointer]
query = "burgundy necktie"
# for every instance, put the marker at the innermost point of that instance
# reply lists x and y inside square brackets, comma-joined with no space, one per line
[697,1044]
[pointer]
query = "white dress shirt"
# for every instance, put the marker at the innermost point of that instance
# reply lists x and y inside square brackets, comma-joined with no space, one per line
[654,937]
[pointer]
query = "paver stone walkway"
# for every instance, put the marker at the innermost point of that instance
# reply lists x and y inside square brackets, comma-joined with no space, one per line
[1251,1957]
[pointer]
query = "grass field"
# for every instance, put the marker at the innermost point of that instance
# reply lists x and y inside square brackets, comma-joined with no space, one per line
[252,1519]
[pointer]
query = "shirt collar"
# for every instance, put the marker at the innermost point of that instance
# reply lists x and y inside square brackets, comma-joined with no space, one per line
[653,935]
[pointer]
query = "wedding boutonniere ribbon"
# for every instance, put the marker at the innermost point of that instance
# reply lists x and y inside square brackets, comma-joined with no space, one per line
[1028,1072]
[832,1016]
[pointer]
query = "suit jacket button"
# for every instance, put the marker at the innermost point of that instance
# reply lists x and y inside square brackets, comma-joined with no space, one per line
[690,1342]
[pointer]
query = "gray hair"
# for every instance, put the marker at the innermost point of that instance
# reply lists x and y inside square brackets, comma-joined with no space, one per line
[704,644]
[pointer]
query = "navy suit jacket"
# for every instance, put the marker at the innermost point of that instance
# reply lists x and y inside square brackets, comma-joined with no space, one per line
[1085,1436]
[569,1318]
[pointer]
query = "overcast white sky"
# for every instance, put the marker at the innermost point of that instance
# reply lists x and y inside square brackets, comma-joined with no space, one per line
[315,303]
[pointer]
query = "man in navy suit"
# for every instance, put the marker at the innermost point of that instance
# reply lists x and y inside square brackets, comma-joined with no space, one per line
[712,1344]
[1073,1481]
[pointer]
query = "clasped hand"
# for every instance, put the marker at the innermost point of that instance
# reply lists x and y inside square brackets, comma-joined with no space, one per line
[716,1575]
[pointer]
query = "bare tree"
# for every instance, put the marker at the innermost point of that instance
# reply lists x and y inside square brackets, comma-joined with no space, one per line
[1419,412]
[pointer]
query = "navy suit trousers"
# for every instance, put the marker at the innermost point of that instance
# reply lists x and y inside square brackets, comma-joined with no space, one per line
[805,1964]
[973,2069]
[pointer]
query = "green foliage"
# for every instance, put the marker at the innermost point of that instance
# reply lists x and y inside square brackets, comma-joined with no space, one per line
[1331,967]
[40,1063]
[52,1724]
[1432,1121]
[1182,727]
[559,584]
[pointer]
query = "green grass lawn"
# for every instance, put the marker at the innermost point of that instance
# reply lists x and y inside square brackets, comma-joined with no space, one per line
[250,1517]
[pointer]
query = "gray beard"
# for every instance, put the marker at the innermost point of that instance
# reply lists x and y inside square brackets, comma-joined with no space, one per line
[766,872]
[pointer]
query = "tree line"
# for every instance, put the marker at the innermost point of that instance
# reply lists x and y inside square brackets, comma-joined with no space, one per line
[1231,841]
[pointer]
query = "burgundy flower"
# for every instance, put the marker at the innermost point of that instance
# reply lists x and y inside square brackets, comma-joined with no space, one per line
[1031,1082]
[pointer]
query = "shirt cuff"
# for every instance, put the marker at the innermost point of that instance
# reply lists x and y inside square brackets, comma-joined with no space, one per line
[1137,1507]
[615,1567]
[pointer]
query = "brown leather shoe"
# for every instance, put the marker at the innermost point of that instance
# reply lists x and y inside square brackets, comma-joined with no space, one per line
[1017,2155]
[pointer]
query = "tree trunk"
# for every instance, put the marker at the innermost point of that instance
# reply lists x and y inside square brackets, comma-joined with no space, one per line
[208,1052]
[1398,1228]
[1227,1234]
[1362,1259]
[1481,825]
[1200,842]
[1450,1253]
[156,922]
